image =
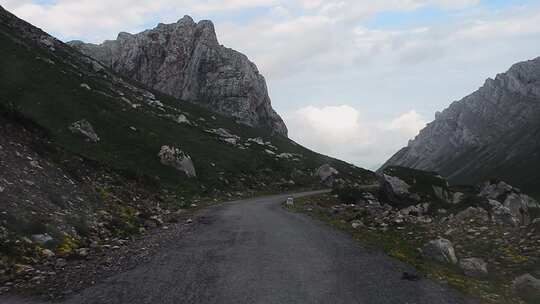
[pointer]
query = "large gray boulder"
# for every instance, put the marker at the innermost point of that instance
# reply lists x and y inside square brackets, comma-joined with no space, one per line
[440,250]
[396,185]
[326,174]
[527,287]
[176,158]
[185,60]
[509,200]
[492,132]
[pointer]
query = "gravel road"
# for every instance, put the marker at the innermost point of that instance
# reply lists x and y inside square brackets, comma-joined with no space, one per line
[255,251]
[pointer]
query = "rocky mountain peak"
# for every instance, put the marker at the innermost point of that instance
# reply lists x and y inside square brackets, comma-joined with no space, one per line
[491,133]
[186,20]
[123,36]
[185,60]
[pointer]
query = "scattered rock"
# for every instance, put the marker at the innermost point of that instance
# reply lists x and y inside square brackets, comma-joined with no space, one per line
[82,252]
[84,128]
[182,119]
[47,253]
[494,191]
[41,239]
[357,224]
[473,267]
[527,287]
[472,213]
[21,268]
[502,215]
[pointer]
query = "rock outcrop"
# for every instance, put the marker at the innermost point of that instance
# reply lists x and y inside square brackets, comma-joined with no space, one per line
[493,132]
[185,60]
[510,206]
[84,129]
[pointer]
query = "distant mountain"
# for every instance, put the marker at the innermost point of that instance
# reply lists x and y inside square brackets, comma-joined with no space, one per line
[185,60]
[492,133]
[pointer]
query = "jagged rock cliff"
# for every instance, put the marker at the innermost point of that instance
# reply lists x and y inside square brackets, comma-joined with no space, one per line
[492,133]
[185,60]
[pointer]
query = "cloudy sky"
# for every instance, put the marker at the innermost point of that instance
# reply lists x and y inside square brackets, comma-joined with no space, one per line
[353,79]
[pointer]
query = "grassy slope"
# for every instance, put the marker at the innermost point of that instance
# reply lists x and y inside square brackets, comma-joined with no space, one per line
[51,96]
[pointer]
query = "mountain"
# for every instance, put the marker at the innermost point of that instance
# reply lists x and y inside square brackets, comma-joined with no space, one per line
[185,60]
[88,157]
[492,133]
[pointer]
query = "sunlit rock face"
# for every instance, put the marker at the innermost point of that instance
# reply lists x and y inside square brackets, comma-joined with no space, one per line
[185,60]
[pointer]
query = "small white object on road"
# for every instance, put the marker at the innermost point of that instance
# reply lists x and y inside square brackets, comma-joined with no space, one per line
[290,201]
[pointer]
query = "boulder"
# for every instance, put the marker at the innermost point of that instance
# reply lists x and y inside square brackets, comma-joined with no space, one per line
[502,215]
[326,174]
[396,191]
[85,129]
[473,267]
[518,204]
[176,158]
[527,287]
[397,186]
[440,250]
[472,213]
[494,190]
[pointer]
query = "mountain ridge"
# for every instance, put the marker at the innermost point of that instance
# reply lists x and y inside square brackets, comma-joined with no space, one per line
[185,60]
[491,133]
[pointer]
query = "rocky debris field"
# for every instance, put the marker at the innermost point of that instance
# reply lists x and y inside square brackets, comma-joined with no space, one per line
[58,277]
[66,221]
[484,240]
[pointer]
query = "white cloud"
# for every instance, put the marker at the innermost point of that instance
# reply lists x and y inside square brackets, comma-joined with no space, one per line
[407,124]
[343,132]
